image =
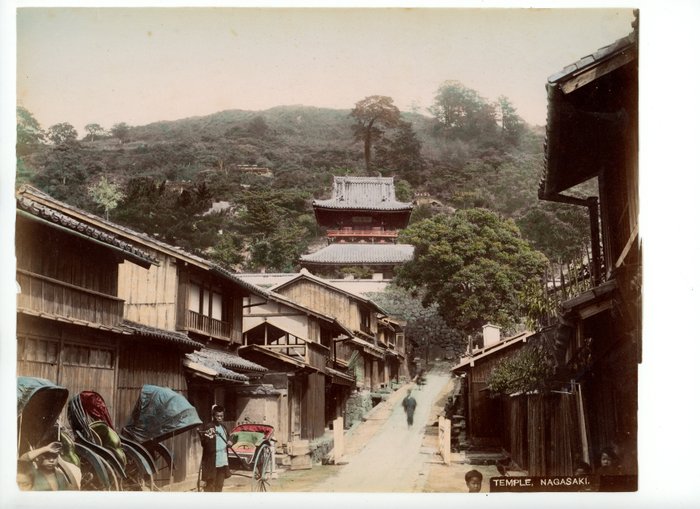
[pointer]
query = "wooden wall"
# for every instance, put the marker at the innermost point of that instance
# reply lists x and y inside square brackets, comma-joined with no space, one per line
[43,250]
[324,300]
[150,295]
[313,407]
[159,365]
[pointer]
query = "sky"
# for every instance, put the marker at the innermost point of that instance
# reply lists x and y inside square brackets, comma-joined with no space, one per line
[141,65]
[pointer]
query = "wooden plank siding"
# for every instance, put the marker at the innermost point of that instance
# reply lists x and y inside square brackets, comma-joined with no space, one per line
[313,405]
[150,295]
[324,300]
[65,276]
[149,364]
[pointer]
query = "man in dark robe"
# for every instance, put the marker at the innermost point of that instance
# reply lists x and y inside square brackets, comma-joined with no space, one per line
[409,406]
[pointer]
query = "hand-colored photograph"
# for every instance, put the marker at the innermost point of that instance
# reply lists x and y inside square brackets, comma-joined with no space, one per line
[327,250]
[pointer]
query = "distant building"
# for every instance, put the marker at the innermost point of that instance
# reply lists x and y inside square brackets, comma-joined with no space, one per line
[362,219]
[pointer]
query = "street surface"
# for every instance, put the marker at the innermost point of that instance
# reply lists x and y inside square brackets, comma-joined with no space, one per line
[391,461]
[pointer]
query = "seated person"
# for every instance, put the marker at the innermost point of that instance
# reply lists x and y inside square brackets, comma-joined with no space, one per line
[39,469]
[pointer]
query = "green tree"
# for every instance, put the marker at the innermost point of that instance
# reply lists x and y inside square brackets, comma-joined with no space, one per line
[424,327]
[512,126]
[120,131]
[106,194]
[62,134]
[474,265]
[228,251]
[29,132]
[373,115]
[461,112]
[94,130]
[401,153]
[61,173]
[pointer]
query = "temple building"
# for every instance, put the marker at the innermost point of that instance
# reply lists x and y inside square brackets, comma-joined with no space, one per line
[362,220]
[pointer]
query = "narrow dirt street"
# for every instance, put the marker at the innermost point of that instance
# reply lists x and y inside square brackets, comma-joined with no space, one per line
[392,460]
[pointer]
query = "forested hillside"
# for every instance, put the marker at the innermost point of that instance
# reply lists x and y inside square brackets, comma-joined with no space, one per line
[237,185]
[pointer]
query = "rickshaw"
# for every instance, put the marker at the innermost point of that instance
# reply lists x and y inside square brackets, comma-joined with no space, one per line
[160,413]
[252,451]
[93,428]
[39,405]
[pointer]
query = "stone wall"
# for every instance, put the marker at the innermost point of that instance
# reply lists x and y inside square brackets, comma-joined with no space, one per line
[359,403]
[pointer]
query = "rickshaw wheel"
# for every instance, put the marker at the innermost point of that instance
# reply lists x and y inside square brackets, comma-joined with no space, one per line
[262,471]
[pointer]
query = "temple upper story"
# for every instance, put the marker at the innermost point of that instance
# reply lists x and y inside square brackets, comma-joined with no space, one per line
[362,209]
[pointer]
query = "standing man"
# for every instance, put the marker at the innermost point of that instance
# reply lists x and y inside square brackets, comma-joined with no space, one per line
[214,451]
[409,406]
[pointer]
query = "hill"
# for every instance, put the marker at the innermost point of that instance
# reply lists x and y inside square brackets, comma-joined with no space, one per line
[263,168]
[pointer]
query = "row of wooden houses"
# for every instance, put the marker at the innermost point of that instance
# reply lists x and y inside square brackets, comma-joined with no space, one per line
[588,399]
[107,309]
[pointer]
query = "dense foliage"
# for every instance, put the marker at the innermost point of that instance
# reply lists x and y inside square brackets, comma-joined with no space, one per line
[425,328]
[474,265]
[527,370]
[238,185]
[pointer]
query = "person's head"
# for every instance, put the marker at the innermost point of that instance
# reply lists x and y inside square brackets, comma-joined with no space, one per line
[608,458]
[473,479]
[24,476]
[582,468]
[47,461]
[217,413]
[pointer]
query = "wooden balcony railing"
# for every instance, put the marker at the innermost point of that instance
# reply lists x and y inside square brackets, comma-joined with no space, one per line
[43,294]
[378,233]
[209,326]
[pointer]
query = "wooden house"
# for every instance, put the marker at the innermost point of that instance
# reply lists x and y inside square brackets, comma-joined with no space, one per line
[483,412]
[362,219]
[592,134]
[70,318]
[356,313]
[295,344]
[169,294]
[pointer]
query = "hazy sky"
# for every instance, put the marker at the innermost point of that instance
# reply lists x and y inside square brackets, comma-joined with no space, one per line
[108,65]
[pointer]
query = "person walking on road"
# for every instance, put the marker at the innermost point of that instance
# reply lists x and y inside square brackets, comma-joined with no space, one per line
[214,451]
[409,406]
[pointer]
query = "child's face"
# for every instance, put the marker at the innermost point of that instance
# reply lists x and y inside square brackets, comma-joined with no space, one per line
[48,462]
[474,485]
[605,460]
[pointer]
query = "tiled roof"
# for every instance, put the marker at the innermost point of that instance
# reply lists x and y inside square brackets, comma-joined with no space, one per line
[26,192]
[342,253]
[561,171]
[251,287]
[162,334]
[267,280]
[230,360]
[469,361]
[619,46]
[28,205]
[367,193]
[199,361]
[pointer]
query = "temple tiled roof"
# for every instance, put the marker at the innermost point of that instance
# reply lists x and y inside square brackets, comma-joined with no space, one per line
[365,193]
[341,253]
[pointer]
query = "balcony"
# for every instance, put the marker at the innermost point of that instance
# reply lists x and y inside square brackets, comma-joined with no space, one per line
[45,295]
[371,233]
[208,326]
